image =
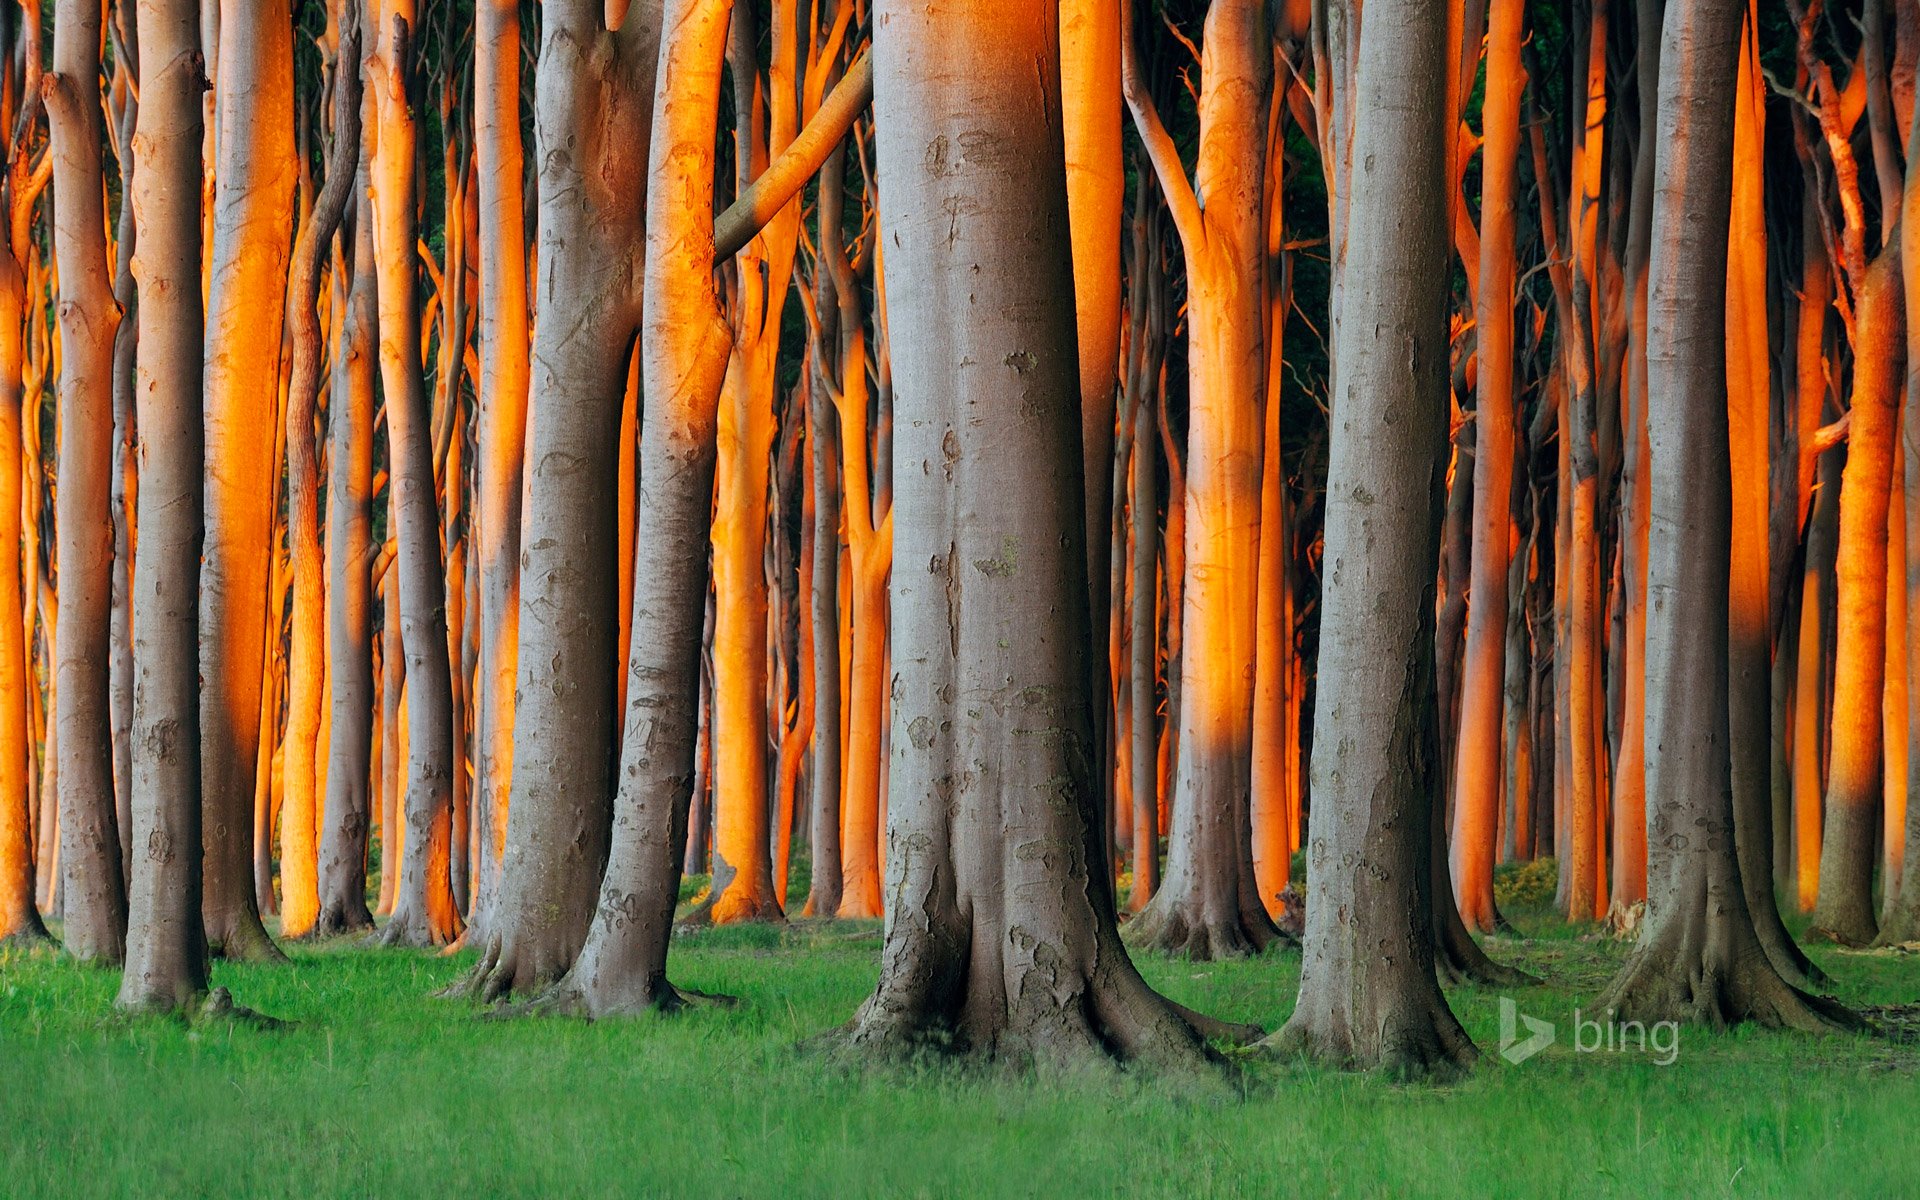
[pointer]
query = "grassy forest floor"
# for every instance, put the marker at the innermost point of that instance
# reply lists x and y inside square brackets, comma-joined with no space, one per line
[379,1090]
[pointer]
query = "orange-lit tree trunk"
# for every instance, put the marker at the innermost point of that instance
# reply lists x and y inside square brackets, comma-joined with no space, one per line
[166,962]
[1002,938]
[423,909]
[502,429]
[95,890]
[1209,906]
[1477,756]
[1750,617]
[742,860]
[1368,993]
[1902,919]
[1817,509]
[1697,958]
[20,189]
[306,686]
[1844,911]
[1146,348]
[255,173]
[594,89]
[355,701]
[1096,198]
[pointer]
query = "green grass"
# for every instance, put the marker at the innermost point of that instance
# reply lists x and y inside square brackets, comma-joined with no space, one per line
[379,1090]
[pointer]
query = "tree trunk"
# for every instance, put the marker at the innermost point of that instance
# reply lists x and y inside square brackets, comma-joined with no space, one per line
[166,965]
[1477,756]
[594,95]
[1368,995]
[95,889]
[299,825]
[1698,957]
[255,173]
[423,910]
[353,697]
[1001,938]
[502,431]
[1208,906]
[19,920]
[1844,911]
[831,345]
[1902,920]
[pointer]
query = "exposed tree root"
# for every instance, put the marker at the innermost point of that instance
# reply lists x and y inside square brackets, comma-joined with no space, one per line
[1175,928]
[572,998]
[246,940]
[522,968]
[413,929]
[1409,1040]
[1718,988]
[334,923]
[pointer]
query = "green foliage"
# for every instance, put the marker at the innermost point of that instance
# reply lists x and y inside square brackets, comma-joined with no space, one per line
[379,1090]
[1526,885]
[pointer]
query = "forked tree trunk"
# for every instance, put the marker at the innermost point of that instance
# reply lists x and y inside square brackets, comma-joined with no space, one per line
[95,889]
[423,909]
[299,823]
[1368,995]
[255,173]
[166,967]
[1697,958]
[594,95]
[348,812]
[1844,911]
[1208,906]
[1001,936]
[685,343]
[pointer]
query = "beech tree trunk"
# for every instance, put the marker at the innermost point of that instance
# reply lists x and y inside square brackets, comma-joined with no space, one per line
[502,431]
[350,793]
[299,824]
[1698,957]
[1478,754]
[1368,995]
[1001,936]
[95,889]
[166,964]
[19,919]
[1845,911]
[595,96]
[255,173]
[1208,906]
[1902,919]
[423,907]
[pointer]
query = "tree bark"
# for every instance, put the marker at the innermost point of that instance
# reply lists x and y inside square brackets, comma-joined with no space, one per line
[423,908]
[166,964]
[1477,756]
[350,793]
[1697,958]
[95,889]
[1368,995]
[255,173]
[1001,938]
[1902,919]
[502,436]
[594,95]
[299,823]
[1844,911]
[1208,906]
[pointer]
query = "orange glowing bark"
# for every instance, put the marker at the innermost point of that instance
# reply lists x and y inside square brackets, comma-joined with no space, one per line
[502,424]
[1477,757]
[299,827]
[1844,910]
[255,174]
[1209,904]
[26,175]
